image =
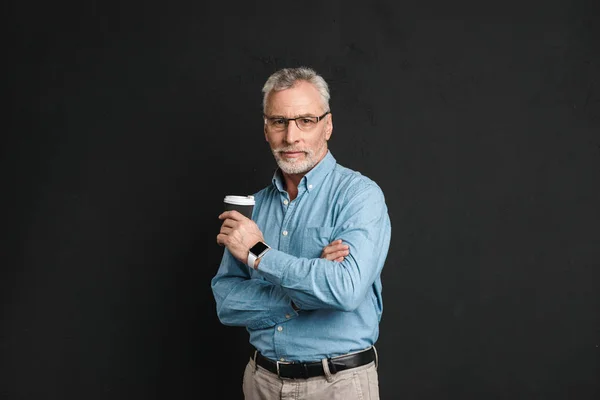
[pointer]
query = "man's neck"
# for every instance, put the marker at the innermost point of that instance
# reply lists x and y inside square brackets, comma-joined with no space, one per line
[291,184]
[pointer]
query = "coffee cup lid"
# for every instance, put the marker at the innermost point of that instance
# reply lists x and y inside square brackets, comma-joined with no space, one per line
[240,200]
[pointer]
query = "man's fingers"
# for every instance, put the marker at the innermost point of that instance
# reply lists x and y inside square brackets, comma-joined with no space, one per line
[230,223]
[336,244]
[336,254]
[221,238]
[226,230]
[341,253]
[332,248]
[232,214]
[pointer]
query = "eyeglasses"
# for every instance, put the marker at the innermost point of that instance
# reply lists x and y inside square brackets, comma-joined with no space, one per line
[305,123]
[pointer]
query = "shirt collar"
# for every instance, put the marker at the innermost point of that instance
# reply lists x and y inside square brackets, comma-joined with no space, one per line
[313,178]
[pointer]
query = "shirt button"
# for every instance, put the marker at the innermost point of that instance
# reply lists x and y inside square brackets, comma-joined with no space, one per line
[284,233]
[285,202]
[287,315]
[279,328]
[310,186]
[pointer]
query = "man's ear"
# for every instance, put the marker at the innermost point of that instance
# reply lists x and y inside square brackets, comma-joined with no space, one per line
[328,126]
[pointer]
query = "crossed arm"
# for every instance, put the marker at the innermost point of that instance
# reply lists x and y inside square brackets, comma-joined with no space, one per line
[262,298]
[254,303]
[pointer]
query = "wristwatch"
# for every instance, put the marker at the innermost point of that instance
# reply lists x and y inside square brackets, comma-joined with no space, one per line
[256,252]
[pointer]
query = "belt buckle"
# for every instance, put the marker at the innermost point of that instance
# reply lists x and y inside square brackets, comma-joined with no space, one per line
[331,366]
[277,363]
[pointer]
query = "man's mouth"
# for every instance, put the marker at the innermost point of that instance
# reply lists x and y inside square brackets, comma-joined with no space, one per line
[291,154]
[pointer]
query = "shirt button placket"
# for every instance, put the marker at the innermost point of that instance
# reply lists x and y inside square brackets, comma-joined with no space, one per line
[288,210]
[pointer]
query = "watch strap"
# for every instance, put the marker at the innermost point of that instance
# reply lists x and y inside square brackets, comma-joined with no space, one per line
[251,259]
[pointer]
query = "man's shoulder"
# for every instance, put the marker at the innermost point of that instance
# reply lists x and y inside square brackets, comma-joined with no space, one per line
[343,172]
[353,180]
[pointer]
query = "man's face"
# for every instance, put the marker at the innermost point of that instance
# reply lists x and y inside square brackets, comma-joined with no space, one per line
[297,151]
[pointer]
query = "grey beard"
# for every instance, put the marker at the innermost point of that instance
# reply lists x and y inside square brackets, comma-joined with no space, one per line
[296,167]
[301,167]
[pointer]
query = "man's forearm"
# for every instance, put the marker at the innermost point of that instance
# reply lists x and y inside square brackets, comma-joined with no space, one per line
[326,284]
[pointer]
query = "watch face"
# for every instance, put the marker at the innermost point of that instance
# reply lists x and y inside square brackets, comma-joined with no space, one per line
[258,248]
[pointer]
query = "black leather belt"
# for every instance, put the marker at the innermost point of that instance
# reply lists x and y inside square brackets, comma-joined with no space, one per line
[298,370]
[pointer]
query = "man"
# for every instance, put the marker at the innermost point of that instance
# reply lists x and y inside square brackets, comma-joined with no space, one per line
[303,276]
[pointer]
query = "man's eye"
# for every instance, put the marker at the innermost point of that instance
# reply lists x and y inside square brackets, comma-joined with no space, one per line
[279,121]
[307,121]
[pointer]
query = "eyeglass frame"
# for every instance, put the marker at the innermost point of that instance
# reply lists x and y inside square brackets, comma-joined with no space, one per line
[287,120]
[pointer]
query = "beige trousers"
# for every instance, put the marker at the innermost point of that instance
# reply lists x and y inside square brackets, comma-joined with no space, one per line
[360,383]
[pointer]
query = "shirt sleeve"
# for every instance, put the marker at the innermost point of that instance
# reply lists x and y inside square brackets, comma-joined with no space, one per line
[244,298]
[363,224]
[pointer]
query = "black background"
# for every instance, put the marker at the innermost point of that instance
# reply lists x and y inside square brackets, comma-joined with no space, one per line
[127,123]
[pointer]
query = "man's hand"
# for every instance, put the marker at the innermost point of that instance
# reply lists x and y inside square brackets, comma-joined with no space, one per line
[238,234]
[335,251]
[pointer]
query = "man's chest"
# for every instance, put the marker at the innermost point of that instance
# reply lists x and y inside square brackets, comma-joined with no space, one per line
[300,228]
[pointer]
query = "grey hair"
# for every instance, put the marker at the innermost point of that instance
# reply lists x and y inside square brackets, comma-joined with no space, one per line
[287,77]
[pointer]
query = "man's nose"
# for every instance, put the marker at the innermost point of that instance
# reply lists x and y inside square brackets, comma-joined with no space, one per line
[292,133]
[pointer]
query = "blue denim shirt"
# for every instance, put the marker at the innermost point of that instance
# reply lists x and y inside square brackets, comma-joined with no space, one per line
[340,302]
